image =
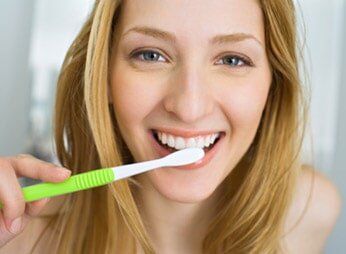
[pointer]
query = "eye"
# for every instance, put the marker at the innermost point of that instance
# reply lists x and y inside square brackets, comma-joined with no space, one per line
[235,61]
[148,56]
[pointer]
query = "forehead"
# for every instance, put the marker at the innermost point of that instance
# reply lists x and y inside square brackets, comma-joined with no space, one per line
[195,19]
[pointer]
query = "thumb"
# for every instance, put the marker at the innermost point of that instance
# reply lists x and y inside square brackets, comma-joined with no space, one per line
[9,229]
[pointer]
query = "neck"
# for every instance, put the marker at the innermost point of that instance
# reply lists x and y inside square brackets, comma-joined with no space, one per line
[174,226]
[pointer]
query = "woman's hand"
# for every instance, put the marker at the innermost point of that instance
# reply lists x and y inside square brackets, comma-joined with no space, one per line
[15,213]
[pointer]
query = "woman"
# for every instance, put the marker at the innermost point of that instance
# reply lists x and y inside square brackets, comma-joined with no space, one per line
[145,75]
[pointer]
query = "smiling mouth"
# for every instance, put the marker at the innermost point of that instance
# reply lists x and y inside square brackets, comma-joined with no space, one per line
[170,149]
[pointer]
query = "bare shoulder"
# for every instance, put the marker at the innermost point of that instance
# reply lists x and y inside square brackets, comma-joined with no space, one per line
[24,242]
[313,214]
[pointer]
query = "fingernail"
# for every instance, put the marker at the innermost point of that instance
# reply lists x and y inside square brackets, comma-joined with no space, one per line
[65,171]
[16,225]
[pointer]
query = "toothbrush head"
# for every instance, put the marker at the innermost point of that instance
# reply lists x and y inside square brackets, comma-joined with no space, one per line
[184,156]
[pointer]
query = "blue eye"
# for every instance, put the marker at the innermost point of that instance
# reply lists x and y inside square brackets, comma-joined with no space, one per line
[153,56]
[148,55]
[236,61]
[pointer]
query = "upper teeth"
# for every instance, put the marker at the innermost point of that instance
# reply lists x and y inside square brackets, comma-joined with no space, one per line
[181,143]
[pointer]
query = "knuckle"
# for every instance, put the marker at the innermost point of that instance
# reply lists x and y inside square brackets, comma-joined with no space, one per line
[7,235]
[22,156]
[19,157]
[6,169]
[49,164]
[14,205]
[4,239]
[5,165]
[39,174]
[2,160]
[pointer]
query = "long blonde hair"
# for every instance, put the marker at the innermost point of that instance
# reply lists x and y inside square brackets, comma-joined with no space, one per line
[258,191]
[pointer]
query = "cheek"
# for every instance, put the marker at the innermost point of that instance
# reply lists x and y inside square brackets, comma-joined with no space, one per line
[133,97]
[244,106]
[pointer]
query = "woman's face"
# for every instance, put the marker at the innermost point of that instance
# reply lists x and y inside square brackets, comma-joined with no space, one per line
[189,66]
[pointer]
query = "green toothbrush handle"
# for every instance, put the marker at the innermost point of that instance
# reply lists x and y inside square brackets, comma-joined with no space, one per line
[74,183]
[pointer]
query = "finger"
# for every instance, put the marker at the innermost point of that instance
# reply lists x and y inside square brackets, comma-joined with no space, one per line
[34,208]
[28,166]
[11,195]
[5,234]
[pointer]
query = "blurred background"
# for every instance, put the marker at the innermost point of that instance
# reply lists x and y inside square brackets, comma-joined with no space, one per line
[35,35]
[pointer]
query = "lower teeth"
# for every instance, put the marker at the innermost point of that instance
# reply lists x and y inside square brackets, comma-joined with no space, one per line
[206,149]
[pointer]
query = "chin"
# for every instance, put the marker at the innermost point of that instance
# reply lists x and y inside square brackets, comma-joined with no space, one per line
[181,189]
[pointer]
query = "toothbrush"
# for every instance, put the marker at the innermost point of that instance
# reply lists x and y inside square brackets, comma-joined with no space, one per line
[105,176]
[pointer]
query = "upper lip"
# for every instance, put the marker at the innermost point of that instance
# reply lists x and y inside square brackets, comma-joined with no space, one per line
[186,133]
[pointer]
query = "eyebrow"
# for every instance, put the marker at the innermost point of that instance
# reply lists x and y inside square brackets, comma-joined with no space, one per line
[169,37]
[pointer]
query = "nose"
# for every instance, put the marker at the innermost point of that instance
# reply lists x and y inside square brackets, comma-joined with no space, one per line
[189,95]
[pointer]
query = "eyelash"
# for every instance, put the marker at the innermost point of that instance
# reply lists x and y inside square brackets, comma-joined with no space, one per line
[246,61]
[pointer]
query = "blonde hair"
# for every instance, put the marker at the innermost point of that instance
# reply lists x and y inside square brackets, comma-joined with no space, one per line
[258,191]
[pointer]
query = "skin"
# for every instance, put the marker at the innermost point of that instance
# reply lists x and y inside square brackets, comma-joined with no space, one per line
[191,90]
[194,85]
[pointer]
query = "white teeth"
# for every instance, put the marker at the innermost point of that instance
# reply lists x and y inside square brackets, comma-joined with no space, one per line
[170,141]
[191,142]
[211,139]
[181,143]
[200,142]
[164,138]
[207,140]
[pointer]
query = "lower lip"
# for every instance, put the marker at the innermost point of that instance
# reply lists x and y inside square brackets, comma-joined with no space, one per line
[205,160]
